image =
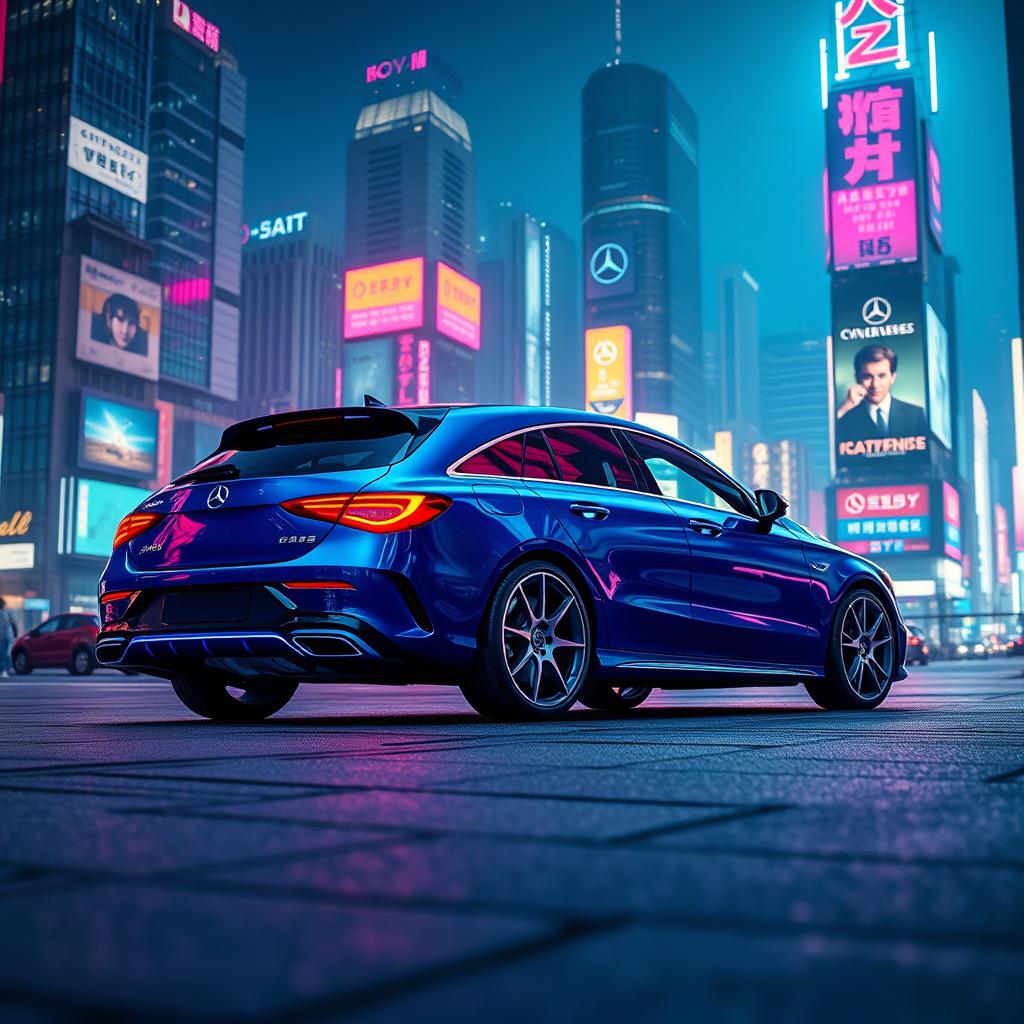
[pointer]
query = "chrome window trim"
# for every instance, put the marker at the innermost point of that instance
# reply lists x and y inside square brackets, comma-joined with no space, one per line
[453,468]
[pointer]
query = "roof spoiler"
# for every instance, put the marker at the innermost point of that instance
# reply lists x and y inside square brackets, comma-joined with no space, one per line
[315,424]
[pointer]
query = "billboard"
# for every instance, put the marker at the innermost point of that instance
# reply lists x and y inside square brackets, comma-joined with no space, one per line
[118,437]
[118,320]
[384,298]
[609,265]
[868,34]
[458,306]
[1004,564]
[939,402]
[412,371]
[275,227]
[608,355]
[878,366]
[883,520]
[871,142]
[951,542]
[99,508]
[107,159]
[196,25]
[1017,487]
[933,176]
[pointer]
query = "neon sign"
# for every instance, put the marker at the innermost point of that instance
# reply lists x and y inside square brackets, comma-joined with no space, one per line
[384,297]
[870,32]
[196,25]
[415,61]
[412,371]
[274,227]
[458,306]
[883,520]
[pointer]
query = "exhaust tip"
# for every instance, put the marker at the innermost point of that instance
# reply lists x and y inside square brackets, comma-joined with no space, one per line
[326,645]
[109,652]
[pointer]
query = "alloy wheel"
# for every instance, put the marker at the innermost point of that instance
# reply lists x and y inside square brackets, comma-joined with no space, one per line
[544,632]
[866,641]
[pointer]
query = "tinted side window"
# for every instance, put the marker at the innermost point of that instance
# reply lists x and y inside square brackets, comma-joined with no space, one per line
[505,458]
[679,474]
[51,625]
[537,461]
[590,455]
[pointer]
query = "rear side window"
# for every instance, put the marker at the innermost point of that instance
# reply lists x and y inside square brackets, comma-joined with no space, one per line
[537,461]
[504,458]
[590,455]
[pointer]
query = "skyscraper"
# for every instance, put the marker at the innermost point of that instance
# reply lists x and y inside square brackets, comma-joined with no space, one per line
[290,344]
[412,314]
[641,237]
[79,322]
[197,142]
[739,361]
[529,273]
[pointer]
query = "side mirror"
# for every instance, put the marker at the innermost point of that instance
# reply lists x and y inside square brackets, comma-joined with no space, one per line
[770,506]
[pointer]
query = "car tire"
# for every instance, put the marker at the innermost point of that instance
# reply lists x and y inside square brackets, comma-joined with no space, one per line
[861,659]
[82,661]
[211,697]
[22,663]
[535,647]
[604,696]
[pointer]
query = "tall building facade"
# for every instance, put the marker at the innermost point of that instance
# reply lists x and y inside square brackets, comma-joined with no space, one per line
[529,271]
[78,317]
[290,347]
[739,361]
[197,146]
[412,301]
[641,248]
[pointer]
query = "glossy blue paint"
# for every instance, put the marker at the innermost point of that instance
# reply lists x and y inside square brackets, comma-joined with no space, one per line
[669,583]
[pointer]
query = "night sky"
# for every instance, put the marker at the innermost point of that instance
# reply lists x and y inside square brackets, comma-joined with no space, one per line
[749,68]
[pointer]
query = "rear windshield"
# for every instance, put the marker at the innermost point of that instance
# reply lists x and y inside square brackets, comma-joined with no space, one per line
[329,444]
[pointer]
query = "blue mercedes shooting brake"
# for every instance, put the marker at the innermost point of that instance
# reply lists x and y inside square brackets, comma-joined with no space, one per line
[532,557]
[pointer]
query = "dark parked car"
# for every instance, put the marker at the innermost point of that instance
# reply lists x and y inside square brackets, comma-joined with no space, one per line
[918,648]
[972,646]
[65,641]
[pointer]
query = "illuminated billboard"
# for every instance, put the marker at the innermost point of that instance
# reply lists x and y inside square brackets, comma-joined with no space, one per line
[878,364]
[384,298]
[415,61]
[951,543]
[412,371]
[608,355]
[118,436]
[107,159]
[871,140]
[883,520]
[1004,564]
[458,306]
[118,320]
[933,176]
[98,510]
[609,266]
[869,33]
[275,227]
[940,414]
[195,25]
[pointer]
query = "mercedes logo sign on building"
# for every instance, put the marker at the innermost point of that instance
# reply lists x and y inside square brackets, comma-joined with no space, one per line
[609,263]
[876,311]
[218,496]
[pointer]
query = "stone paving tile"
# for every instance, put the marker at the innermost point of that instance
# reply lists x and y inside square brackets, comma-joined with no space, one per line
[468,813]
[96,835]
[654,974]
[929,903]
[169,953]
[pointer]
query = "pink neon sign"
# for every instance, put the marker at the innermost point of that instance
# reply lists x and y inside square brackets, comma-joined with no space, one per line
[872,175]
[415,61]
[383,298]
[196,25]
[870,32]
[412,371]
[951,543]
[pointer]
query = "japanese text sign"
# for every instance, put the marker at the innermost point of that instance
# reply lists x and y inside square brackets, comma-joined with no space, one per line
[869,33]
[107,159]
[883,520]
[383,298]
[196,25]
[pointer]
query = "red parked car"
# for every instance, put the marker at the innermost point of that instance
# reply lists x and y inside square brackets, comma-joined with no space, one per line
[65,641]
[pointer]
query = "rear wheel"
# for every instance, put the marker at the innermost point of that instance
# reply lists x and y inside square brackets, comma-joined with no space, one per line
[228,700]
[605,697]
[82,662]
[861,657]
[22,663]
[535,647]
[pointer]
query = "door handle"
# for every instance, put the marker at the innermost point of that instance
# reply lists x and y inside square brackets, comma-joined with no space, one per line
[705,527]
[589,511]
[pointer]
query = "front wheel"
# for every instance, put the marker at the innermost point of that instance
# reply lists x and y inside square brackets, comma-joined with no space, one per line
[602,696]
[535,647]
[861,658]
[228,700]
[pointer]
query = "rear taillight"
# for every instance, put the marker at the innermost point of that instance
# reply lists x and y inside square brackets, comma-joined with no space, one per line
[376,513]
[132,525]
[117,595]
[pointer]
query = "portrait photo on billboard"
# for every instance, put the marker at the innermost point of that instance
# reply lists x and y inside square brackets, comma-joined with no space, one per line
[118,436]
[879,375]
[118,320]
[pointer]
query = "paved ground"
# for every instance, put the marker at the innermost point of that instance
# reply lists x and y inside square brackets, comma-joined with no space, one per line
[385,855]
